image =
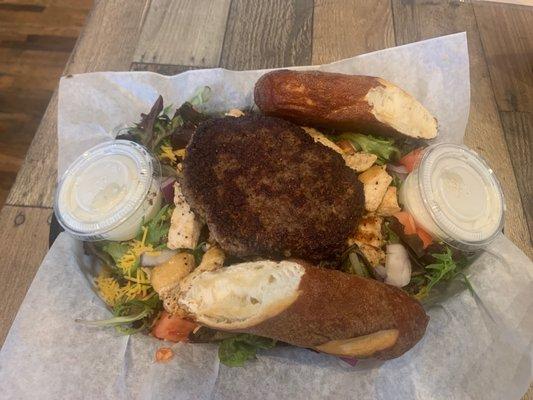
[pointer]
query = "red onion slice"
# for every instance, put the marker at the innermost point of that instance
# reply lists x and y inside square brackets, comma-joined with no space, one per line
[397,169]
[167,188]
[349,360]
[153,258]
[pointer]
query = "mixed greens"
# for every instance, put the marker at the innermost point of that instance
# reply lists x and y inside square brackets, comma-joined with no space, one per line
[445,268]
[122,283]
[166,136]
[237,350]
[125,286]
[383,148]
[433,266]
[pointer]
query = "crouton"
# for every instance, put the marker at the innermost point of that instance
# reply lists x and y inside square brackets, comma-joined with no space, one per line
[234,112]
[170,273]
[368,232]
[360,161]
[389,205]
[346,146]
[369,239]
[322,139]
[374,255]
[375,181]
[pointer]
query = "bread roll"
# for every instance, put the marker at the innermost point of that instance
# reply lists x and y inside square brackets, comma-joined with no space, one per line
[326,310]
[358,103]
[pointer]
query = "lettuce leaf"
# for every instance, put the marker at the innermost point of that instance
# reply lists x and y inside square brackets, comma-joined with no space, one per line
[116,250]
[381,147]
[201,96]
[235,351]
[158,227]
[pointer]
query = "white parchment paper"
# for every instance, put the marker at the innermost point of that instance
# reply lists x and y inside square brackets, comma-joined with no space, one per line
[475,347]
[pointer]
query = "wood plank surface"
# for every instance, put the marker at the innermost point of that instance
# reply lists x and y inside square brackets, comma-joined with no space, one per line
[418,20]
[60,21]
[142,34]
[268,34]
[184,32]
[518,129]
[35,42]
[23,237]
[346,28]
[120,20]
[507,36]
[85,4]
[517,2]
[163,69]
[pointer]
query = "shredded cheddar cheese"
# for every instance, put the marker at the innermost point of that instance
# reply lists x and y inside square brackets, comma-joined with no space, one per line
[108,288]
[137,285]
[171,155]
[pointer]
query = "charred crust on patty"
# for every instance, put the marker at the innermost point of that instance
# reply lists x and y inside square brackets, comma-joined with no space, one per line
[267,189]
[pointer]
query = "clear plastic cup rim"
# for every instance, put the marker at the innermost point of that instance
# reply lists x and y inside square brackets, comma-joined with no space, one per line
[453,232]
[148,169]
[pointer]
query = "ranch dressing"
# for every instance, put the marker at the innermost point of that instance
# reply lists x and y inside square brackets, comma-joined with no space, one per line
[108,191]
[454,195]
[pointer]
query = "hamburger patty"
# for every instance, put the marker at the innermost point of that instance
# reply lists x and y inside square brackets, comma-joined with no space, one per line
[266,189]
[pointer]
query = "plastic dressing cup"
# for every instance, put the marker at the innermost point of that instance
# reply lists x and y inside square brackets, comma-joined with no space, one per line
[454,195]
[109,191]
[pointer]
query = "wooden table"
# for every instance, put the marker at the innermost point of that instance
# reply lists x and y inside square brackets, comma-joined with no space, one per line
[168,37]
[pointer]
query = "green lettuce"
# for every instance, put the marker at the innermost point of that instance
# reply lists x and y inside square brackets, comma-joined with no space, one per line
[131,316]
[381,147]
[158,228]
[201,96]
[445,268]
[116,250]
[352,265]
[235,351]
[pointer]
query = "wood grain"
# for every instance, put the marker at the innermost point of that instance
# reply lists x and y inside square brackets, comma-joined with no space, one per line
[342,29]
[163,69]
[36,39]
[60,21]
[35,182]
[116,19]
[516,2]
[184,32]
[23,237]
[518,129]
[85,4]
[346,28]
[268,34]
[418,20]
[507,36]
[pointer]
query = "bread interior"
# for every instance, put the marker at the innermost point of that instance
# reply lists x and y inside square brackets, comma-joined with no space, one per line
[401,111]
[242,295]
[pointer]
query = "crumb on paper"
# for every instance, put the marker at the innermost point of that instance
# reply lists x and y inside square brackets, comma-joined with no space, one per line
[234,112]
[163,354]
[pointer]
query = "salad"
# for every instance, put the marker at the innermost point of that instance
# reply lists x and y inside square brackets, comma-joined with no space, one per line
[388,244]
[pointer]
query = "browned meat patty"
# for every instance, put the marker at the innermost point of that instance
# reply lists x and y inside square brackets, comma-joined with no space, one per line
[267,189]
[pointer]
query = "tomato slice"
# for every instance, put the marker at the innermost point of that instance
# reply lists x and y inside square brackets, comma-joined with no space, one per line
[172,328]
[424,236]
[410,160]
[406,219]
[411,228]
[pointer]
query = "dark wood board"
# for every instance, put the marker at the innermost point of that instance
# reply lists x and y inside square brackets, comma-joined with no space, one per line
[268,34]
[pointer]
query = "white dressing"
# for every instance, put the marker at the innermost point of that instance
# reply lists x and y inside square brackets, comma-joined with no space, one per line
[108,191]
[454,195]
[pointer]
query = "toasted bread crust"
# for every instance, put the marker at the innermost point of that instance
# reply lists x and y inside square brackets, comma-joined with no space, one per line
[333,305]
[333,101]
[267,189]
